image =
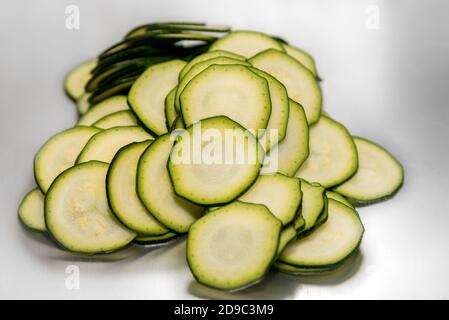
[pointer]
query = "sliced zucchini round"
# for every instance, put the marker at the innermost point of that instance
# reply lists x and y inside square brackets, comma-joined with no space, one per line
[333,155]
[246,43]
[378,177]
[312,203]
[302,56]
[122,194]
[77,213]
[104,108]
[338,197]
[83,104]
[331,243]
[298,271]
[300,82]
[155,240]
[31,210]
[277,125]
[156,191]
[200,67]
[287,156]
[104,145]
[232,247]
[214,161]
[77,78]
[59,153]
[288,234]
[124,118]
[170,111]
[279,193]
[207,56]
[147,95]
[229,90]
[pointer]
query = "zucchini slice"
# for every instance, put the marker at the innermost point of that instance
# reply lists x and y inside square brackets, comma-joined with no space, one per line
[312,203]
[279,193]
[214,161]
[83,104]
[378,177]
[338,197]
[300,82]
[147,95]
[59,153]
[288,234]
[287,156]
[155,240]
[302,56]
[206,56]
[232,247]
[156,191]
[229,90]
[77,213]
[170,111]
[77,78]
[122,194]
[246,43]
[277,125]
[31,210]
[331,243]
[333,155]
[104,108]
[299,271]
[198,68]
[124,118]
[104,145]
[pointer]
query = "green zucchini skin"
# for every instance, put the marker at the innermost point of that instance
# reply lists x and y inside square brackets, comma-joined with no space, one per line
[157,240]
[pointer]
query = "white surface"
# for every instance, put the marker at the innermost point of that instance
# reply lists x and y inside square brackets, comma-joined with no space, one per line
[389,85]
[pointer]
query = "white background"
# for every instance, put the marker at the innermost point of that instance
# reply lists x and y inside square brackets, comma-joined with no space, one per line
[389,85]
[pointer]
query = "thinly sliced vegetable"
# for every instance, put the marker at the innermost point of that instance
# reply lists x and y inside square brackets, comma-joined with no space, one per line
[333,155]
[338,197]
[104,145]
[31,210]
[287,156]
[312,203]
[206,56]
[299,81]
[156,240]
[246,43]
[298,271]
[279,193]
[147,95]
[170,111]
[77,78]
[330,244]
[226,165]
[229,90]
[234,246]
[59,153]
[156,191]
[77,213]
[83,104]
[104,108]
[124,118]
[302,56]
[122,194]
[378,177]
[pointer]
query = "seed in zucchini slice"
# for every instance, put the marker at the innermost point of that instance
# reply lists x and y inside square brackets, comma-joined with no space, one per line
[232,247]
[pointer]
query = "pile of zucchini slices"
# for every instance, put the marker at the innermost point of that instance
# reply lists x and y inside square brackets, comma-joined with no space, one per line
[149,160]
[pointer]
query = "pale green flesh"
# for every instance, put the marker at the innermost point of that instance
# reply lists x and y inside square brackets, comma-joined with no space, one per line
[300,83]
[379,174]
[141,239]
[83,104]
[288,234]
[77,213]
[105,107]
[104,145]
[123,118]
[312,204]
[232,247]
[31,210]
[302,56]
[287,156]
[330,243]
[246,43]
[279,193]
[60,153]
[77,78]
[333,155]
[170,111]
[156,191]
[338,197]
[147,95]
[228,90]
[122,194]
